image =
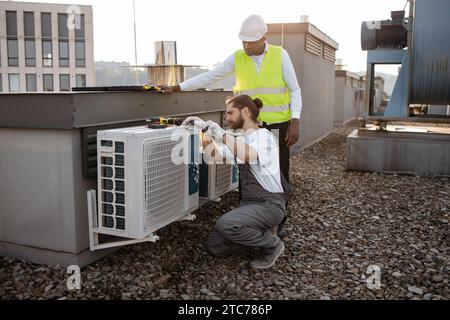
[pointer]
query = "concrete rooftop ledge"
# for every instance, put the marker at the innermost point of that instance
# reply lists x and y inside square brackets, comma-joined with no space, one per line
[85,109]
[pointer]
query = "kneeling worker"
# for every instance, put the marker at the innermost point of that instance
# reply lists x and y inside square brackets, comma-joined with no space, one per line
[264,189]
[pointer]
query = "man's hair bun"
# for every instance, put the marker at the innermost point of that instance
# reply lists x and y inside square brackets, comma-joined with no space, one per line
[258,102]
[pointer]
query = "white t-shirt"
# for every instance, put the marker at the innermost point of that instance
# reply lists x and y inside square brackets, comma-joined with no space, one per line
[267,168]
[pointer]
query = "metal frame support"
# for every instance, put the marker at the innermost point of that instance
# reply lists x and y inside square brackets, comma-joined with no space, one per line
[399,103]
[189,217]
[217,200]
[94,242]
[368,97]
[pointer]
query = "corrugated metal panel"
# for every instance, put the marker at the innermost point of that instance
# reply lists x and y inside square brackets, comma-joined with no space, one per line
[313,45]
[431,54]
[329,53]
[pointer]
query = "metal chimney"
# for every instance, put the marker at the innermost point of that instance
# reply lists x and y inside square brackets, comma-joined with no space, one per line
[166,70]
[165,52]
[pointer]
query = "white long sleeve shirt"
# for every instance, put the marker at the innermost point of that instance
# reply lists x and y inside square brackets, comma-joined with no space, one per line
[227,68]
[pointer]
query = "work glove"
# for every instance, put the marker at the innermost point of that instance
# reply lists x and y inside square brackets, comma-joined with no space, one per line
[214,130]
[195,121]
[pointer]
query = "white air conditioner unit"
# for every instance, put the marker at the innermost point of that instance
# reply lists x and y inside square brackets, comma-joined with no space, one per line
[217,179]
[141,189]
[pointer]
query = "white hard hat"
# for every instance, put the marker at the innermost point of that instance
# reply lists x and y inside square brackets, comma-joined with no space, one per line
[253,28]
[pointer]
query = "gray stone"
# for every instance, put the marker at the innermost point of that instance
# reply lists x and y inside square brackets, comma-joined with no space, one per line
[437,278]
[415,290]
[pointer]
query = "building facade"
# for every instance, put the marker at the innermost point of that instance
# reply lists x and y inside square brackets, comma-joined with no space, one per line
[45,47]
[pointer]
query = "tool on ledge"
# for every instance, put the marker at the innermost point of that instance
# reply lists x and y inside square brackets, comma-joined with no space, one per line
[161,123]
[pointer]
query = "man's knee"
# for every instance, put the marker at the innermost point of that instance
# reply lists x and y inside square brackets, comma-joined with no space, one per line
[227,227]
[217,245]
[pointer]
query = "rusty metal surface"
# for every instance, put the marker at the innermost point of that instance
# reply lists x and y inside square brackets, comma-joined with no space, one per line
[431,53]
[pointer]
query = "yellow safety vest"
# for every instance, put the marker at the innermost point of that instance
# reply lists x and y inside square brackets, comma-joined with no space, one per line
[268,86]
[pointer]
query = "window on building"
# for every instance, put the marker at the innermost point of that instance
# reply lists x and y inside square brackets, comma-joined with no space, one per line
[46,30]
[46,25]
[11,34]
[30,53]
[31,83]
[11,23]
[81,80]
[63,53]
[13,53]
[63,31]
[80,54]
[28,23]
[47,60]
[63,35]
[30,45]
[80,33]
[14,83]
[64,82]
[80,43]
[48,82]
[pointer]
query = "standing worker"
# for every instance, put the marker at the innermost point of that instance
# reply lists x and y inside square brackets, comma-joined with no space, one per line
[266,72]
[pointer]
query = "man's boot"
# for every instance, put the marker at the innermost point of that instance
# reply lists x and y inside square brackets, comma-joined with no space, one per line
[268,257]
[282,229]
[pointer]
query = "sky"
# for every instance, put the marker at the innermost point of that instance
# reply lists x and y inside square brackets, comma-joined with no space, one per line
[206,31]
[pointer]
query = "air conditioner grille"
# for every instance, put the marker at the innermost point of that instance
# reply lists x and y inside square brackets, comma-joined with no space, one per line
[223,178]
[163,184]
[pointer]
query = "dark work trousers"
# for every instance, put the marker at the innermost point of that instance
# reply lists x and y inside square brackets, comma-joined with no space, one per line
[284,151]
[246,226]
[280,130]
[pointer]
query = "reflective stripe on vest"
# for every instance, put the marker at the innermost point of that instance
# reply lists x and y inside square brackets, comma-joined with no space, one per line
[268,85]
[256,91]
[284,107]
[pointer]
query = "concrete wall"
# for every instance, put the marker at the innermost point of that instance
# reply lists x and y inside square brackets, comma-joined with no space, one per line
[42,192]
[339,100]
[317,81]
[43,207]
[348,102]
